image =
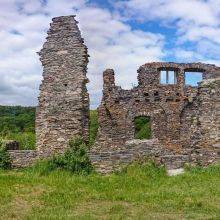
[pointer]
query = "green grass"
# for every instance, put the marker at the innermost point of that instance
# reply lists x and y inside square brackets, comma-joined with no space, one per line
[142,192]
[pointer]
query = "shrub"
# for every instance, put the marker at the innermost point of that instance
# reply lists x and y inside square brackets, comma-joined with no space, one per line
[5,160]
[75,160]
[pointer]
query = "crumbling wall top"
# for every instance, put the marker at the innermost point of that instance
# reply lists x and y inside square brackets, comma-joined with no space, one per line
[199,66]
[149,72]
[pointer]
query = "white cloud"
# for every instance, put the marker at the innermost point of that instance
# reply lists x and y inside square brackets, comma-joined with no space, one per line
[196,21]
[184,55]
[196,33]
[198,12]
[111,42]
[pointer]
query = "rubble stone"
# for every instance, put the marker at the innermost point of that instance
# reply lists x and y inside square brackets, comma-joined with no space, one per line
[184,119]
[63,111]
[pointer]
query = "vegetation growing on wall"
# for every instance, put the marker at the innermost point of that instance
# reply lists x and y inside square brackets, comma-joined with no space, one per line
[75,160]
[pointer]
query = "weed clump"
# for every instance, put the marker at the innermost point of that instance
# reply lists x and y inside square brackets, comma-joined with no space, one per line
[75,160]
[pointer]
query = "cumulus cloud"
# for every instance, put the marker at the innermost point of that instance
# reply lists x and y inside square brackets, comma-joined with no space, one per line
[112,44]
[112,40]
[195,21]
[173,11]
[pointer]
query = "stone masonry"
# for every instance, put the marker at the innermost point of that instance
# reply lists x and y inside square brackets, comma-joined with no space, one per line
[63,111]
[184,119]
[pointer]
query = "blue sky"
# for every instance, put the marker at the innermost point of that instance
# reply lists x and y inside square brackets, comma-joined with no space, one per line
[119,34]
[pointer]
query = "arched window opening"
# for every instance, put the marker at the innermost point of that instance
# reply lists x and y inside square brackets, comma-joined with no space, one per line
[142,127]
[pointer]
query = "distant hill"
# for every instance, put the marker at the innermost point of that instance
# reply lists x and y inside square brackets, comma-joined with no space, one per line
[18,123]
[17,119]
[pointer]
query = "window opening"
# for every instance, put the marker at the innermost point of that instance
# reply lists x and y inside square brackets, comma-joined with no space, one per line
[168,77]
[142,127]
[193,78]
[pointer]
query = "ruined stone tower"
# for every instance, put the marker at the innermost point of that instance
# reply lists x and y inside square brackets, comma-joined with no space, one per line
[63,111]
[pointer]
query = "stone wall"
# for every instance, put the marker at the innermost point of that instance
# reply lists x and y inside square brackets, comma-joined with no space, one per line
[209,120]
[23,158]
[108,160]
[163,103]
[63,111]
[182,116]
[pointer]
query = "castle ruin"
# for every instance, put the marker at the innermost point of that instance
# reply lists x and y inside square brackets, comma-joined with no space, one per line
[184,120]
[63,111]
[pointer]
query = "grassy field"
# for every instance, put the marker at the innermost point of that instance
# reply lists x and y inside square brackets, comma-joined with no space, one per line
[141,192]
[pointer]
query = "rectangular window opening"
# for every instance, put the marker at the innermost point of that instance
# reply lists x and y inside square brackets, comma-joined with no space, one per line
[168,77]
[193,78]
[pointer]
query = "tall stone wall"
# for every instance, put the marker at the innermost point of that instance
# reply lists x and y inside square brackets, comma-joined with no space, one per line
[163,103]
[63,111]
[208,142]
[184,119]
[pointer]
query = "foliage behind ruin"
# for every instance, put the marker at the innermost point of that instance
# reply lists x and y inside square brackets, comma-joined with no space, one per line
[15,119]
[18,123]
